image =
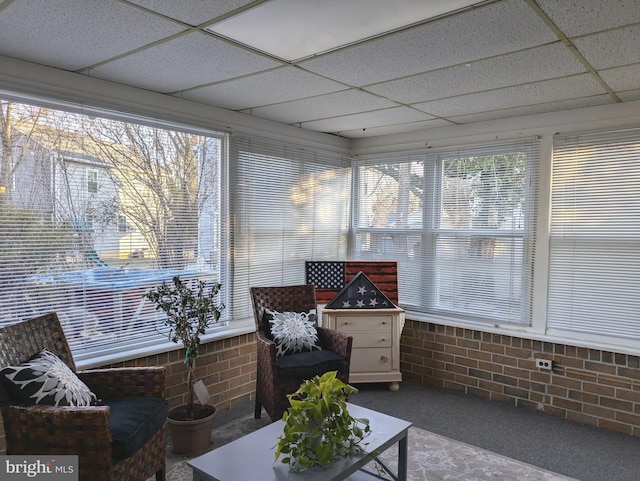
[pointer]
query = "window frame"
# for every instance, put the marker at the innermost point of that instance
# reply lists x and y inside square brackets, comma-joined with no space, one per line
[92,184]
[580,298]
[135,348]
[432,230]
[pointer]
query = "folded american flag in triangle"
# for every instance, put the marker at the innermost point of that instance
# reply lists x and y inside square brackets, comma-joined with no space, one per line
[360,293]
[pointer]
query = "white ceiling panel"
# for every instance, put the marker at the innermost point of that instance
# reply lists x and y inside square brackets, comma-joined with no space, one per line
[541,63]
[395,129]
[490,59]
[550,90]
[323,106]
[486,31]
[534,109]
[310,28]
[622,78]
[378,118]
[275,86]
[580,17]
[630,95]
[185,61]
[192,12]
[612,48]
[70,34]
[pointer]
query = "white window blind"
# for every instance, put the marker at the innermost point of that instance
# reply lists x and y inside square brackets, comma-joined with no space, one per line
[594,266]
[291,204]
[102,211]
[460,224]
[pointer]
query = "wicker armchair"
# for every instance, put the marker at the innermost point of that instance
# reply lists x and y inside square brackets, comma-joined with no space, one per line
[85,431]
[275,377]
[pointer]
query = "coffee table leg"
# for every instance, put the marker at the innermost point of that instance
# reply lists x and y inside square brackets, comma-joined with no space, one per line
[402,458]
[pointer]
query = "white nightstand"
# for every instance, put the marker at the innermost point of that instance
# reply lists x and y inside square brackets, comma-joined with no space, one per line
[375,356]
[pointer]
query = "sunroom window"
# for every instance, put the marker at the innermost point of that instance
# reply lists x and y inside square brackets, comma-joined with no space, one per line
[594,260]
[460,224]
[103,210]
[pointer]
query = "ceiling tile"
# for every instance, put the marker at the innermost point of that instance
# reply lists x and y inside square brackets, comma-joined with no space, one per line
[72,34]
[486,31]
[378,118]
[294,29]
[629,95]
[184,62]
[580,17]
[395,129]
[622,78]
[275,86]
[535,109]
[496,59]
[193,12]
[614,48]
[555,90]
[323,106]
[539,63]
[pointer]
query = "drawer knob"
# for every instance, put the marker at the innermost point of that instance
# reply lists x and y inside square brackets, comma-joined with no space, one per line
[382,340]
[384,358]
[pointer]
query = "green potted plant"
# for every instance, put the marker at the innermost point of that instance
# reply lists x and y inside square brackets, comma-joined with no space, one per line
[190,308]
[318,428]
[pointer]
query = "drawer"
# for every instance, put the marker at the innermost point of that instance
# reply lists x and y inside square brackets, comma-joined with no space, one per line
[372,339]
[363,323]
[370,360]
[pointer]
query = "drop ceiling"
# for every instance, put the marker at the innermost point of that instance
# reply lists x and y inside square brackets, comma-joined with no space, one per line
[356,68]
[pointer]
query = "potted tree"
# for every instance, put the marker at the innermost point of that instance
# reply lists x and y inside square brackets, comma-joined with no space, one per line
[190,308]
[318,428]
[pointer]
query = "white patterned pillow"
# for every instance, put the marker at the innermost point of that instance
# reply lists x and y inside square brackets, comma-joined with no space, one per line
[293,332]
[45,379]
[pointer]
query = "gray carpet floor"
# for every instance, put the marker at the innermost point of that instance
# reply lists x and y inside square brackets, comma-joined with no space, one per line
[576,450]
[565,447]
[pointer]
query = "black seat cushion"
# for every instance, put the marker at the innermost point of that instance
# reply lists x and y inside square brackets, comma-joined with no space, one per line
[134,420]
[306,365]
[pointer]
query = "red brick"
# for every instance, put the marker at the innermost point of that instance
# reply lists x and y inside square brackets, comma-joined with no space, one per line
[615,426]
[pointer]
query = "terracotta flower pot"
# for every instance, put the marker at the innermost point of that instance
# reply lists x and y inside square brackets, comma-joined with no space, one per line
[191,437]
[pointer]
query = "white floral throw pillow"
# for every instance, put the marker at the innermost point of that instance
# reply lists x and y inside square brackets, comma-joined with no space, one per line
[293,332]
[45,379]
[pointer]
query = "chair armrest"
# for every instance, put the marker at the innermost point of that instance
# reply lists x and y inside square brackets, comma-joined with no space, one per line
[125,381]
[336,341]
[267,362]
[83,430]
[265,345]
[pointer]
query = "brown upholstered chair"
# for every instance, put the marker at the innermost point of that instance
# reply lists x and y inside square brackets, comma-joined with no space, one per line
[279,376]
[87,431]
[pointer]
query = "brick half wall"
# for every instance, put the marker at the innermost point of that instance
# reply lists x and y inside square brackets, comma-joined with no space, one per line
[227,367]
[590,386]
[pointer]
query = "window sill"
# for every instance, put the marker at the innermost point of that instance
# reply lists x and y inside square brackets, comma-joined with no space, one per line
[234,329]
[622,346]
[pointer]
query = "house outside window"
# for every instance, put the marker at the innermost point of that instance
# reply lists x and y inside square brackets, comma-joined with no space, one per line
[123,226]
[102,220]
[92,181]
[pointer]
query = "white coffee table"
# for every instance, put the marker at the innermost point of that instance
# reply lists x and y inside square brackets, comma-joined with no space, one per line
[252,457]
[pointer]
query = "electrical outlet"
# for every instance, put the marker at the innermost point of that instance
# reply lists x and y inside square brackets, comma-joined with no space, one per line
[544,364]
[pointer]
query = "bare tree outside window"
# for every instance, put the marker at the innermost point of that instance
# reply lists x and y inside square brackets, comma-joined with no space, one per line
[165,184]
[455,222]
[94,211]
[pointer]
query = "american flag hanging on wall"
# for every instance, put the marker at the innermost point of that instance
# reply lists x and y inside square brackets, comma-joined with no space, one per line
[325,274]
[360,293]
[329,277]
